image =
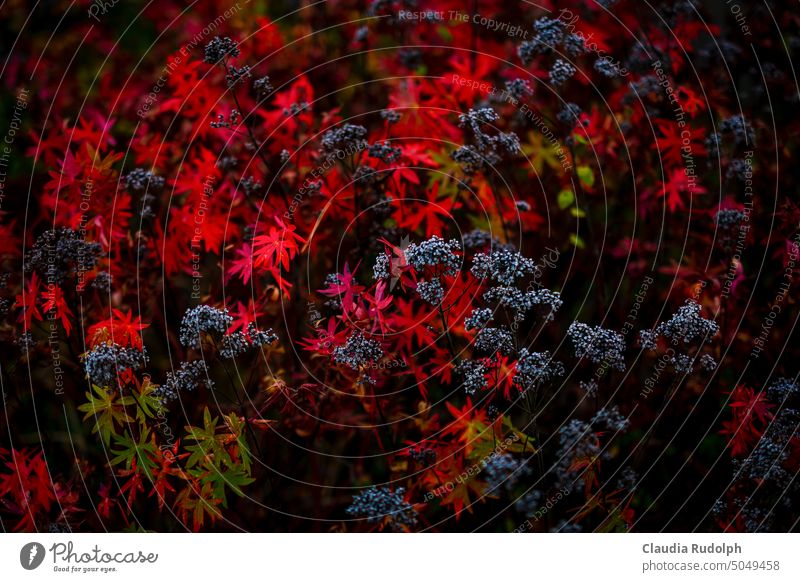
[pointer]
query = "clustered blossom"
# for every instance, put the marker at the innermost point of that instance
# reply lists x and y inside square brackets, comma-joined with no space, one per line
[528,503]
[227,122]
[219,49]
[139,180]
[25,341]
[381,503]
[707,362]
[250,185]
[575,441]
[627,479]
[263,87]
[473,373]
[504,471]
[561,72]
[295,109]
[382,267]
[365,175]
[391,115]
[203,319]
[487,149]
[610,419]
[385,152]
[685,327]
[470,160]
[574,45]
[102,281]
[598,345]
[688,325]
[536,367]
[479,239]
[434,252]
[739,128]
[647,85]
[61,253]
[507,266]
[519,88]
[358,351]
[146,183]
[729,218]
[431,291]
[648,339]
[503,266]
[765,462]
[105,362]
[589,387]
[606,67]
[782,389]
[237,75]
[474,119]
[187,378]
[348,137]
[239,342]
[549,34]
[478,319]
[569,114]
[492,340]
[682,363]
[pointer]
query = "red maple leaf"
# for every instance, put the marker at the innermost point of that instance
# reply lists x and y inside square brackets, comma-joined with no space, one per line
[428,211]
[467,422]
[379,303]
[672,146]
[689,100]
[750,415]
[242,265]
[346,287]
[244,315]
[678,184]
[55,302]
[27,300]
[28,489]
[276,248]
[121,328]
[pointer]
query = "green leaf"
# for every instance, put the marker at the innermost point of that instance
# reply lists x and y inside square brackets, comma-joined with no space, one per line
[445,33]
[212,462]
[210,451]
[149,405]
[142,451]
[108,409]
[565,199]
[586,176]
[577,241]
[232,479]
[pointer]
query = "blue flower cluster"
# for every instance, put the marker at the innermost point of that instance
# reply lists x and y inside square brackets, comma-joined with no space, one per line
[106,361]
[598,345]
[188,377]
[534,368]
[358,351]
[434,252]
[379,504]
[203,319]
